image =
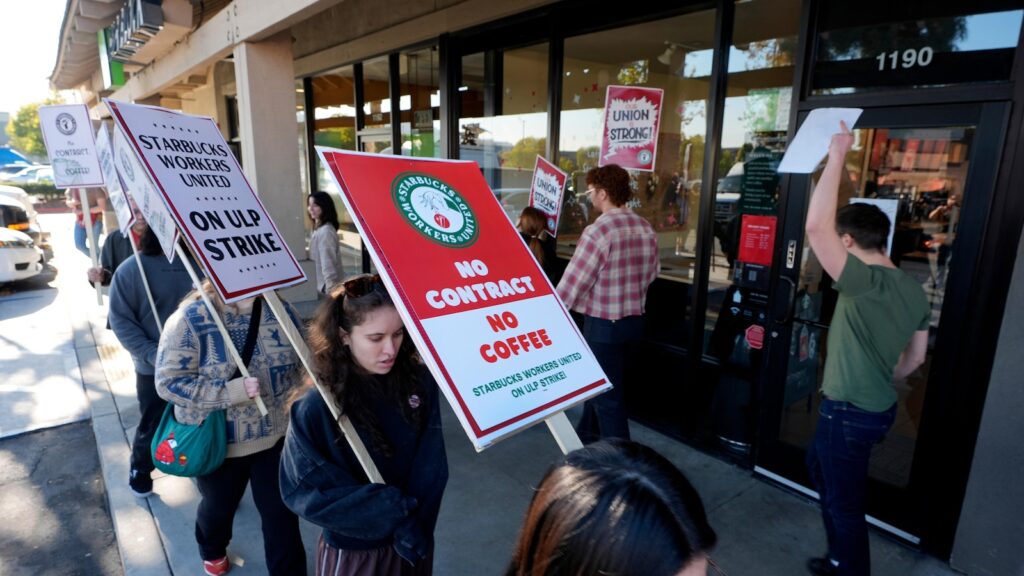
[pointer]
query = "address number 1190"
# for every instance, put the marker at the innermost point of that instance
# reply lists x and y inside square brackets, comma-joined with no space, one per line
[905,59]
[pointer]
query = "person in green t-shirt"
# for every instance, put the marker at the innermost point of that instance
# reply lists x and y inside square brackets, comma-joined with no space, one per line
[879,334]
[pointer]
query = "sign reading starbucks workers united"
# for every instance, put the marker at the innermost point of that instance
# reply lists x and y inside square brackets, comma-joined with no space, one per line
[434,209]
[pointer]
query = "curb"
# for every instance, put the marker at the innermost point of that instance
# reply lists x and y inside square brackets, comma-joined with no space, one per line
[138,537]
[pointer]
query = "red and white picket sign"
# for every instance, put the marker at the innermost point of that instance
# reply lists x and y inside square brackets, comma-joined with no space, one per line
[484,316]
[547,191]
[632,116]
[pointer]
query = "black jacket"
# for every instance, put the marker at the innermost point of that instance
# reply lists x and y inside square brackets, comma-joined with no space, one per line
[322,481]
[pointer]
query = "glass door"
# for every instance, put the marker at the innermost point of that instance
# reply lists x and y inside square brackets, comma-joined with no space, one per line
[919,166]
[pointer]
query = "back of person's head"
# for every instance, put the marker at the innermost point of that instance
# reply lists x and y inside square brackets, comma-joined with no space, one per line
[614,180]
[208,288]
[149,244]
[866,224]
[533,223]
[613,507]
[328,214]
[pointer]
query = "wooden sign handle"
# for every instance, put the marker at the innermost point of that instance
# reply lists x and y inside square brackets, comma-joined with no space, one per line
[565,435]
[83,200]
[297,342]
[228,343]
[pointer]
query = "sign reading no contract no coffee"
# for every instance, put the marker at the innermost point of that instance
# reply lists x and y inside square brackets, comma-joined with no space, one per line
[482,314]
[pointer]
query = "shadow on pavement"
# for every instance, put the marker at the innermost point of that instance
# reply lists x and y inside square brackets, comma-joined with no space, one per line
[54,509]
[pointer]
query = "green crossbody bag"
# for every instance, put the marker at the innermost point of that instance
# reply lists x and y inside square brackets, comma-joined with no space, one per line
[196,450]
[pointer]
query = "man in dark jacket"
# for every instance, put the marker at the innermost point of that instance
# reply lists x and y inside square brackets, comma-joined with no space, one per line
[132,318]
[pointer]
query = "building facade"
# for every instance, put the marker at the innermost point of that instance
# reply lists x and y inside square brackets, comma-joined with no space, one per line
[737,321]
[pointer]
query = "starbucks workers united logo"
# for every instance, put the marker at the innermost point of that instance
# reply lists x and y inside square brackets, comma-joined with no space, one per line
[434,209]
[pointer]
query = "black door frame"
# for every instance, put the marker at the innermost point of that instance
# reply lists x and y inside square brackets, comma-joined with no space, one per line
[910,510]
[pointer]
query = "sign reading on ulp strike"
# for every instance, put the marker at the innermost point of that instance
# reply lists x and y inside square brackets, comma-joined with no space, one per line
[208,196]
[546,192]
[484,316]
[632,116]
[67,131]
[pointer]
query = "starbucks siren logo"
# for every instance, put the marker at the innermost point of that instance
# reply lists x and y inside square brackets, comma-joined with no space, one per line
[434,209]
[66,124]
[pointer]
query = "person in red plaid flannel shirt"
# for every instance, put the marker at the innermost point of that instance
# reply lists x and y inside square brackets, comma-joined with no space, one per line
[606,281]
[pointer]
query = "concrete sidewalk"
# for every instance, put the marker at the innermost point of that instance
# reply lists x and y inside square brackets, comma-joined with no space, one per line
[762,529]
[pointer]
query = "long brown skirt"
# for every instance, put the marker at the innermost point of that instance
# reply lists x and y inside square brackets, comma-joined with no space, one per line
[379,562]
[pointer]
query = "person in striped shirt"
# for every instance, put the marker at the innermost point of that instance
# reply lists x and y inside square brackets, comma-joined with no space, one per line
[606,281]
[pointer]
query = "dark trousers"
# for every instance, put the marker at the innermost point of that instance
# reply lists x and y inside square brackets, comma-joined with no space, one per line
[838,464]
[221,492]
[151,409]
[605,416]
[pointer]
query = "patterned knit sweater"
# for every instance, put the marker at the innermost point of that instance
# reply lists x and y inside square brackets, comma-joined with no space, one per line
[193,369]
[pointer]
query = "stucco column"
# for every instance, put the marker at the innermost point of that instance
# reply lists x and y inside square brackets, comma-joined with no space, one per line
[265,80]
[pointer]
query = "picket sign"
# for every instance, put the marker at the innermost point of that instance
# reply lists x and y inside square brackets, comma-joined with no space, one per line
[83,198]
[115,189]
[455,265]
[191,204]
[302,351]
[220,323]
[71,148]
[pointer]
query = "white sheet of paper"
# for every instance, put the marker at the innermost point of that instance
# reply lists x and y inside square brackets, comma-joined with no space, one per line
[812,139]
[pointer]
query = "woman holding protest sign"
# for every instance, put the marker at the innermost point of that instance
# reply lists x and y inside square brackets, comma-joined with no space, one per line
[532,227]
[363,358]
[323,244]
[195,373]
[614,507]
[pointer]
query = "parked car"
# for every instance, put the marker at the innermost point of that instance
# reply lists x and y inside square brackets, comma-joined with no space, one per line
[512,201]
[11,169]
[44,176]
[20,258]
[23,198]
[27,175]
[14,216]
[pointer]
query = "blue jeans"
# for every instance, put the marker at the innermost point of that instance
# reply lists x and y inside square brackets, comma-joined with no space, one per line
[838,464]
[81,235]
[605,416]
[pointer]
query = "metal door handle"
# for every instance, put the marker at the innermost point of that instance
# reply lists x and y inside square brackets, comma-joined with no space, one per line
[790,300]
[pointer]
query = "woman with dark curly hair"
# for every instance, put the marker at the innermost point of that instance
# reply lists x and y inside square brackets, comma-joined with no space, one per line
[614,507]
[362,357]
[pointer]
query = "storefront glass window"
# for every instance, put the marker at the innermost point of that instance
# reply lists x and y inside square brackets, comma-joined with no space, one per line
[503,120]
[300,121]
[334,125]
[420,103]
[754,136]
[376,100]
[675,55]
[878,44]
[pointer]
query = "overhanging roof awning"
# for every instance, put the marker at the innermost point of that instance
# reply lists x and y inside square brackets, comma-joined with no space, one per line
[77,52]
